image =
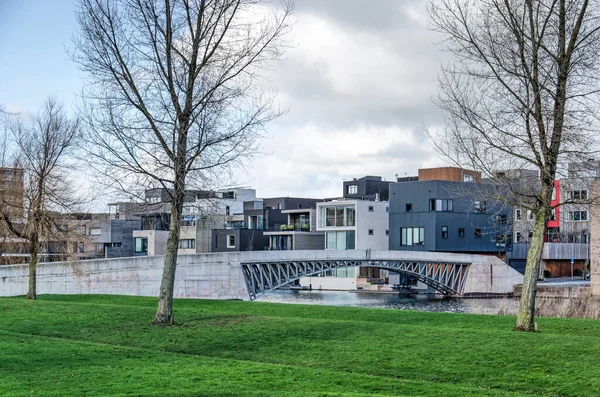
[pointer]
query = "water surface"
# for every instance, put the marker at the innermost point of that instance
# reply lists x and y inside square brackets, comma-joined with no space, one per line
[393,301]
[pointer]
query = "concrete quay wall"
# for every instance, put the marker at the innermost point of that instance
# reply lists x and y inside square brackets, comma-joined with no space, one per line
[219,275]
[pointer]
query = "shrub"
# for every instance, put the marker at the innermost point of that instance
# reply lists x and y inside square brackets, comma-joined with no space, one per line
[578,273]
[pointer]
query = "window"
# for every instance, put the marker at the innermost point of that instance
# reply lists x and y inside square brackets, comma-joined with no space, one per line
[387,209]
[412,236]
[408,207]
[80,230]
[578,238]
[187,243]
[387,232]
[578,216]
[115,245]
[74,246]
[519,237]
[578,194]
[350,216]
[352,189]
[230,241]
[518,215]
[530,215]
[461,232]
[530,235]
[227,210]
[340,240]
[477,233]
[501,240]
[371,208]
[278,206]
[81,246]
[479,206]
[441,205]
[553,214]
[95,231]
[141,245]
[468,178]
[500,218]
[370,232]
[337,216]
[444,231]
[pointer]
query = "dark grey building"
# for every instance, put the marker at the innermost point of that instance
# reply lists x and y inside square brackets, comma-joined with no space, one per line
[367,188]
[226,240]
[259,216]
[121,238]
[447,216]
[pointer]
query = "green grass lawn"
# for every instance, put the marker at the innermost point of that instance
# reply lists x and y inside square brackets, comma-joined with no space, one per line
[105,345]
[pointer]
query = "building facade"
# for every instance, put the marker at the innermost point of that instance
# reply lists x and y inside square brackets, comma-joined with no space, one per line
[447,216]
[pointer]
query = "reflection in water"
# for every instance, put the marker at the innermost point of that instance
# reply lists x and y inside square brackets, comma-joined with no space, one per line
[393,301]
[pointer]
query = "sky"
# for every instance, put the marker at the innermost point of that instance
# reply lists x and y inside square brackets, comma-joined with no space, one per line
[359,83]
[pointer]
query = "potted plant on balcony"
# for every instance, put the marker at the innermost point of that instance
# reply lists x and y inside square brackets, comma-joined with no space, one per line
[283,227]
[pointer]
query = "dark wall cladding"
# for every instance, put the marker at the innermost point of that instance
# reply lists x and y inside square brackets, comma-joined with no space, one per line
[470,226]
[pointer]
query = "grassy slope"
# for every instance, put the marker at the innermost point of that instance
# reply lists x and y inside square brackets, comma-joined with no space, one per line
[104,345]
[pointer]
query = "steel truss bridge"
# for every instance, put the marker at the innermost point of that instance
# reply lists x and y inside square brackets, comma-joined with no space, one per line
[447,278]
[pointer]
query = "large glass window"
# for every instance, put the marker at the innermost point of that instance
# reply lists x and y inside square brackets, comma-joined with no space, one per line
[337,216]
[352,189]
[340,240]
[578,194]
[412,236]
[578,216]
[330,216]
[187,244]
[141,245]
[350,216]
[441,205]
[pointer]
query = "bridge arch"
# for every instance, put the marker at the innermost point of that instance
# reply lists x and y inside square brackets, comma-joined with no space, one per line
[447,278]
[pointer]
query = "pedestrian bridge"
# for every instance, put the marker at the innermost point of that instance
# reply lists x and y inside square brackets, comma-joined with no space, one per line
[447,278]
[246,275]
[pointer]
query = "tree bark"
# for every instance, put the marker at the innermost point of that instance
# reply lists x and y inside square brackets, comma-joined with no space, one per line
[164,312]
[526,315]
[33,262]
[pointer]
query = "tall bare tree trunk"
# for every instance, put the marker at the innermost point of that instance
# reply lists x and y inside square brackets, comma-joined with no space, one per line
[526,315]
[164,311]
[33,262]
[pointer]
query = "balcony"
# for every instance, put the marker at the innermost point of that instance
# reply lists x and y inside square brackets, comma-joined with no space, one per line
[295,227]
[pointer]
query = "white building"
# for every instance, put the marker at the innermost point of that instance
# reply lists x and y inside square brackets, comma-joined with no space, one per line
[350,224]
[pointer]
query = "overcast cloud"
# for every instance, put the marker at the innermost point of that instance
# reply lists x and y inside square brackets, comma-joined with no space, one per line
[359,85]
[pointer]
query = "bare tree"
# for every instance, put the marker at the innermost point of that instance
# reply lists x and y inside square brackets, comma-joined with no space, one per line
[174,93]
[521,93]
[40,189]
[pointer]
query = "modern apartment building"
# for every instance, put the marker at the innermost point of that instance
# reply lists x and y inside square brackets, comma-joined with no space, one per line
[299,233]
[447,216]
[260,216]
[372,188]
[349,225]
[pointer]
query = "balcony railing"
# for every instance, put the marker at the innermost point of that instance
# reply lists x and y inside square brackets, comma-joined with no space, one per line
[551,251]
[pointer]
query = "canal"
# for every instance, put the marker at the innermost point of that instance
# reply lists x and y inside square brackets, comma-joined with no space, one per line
[393,301]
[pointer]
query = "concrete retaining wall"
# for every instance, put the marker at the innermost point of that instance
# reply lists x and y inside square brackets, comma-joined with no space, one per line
[219,275]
